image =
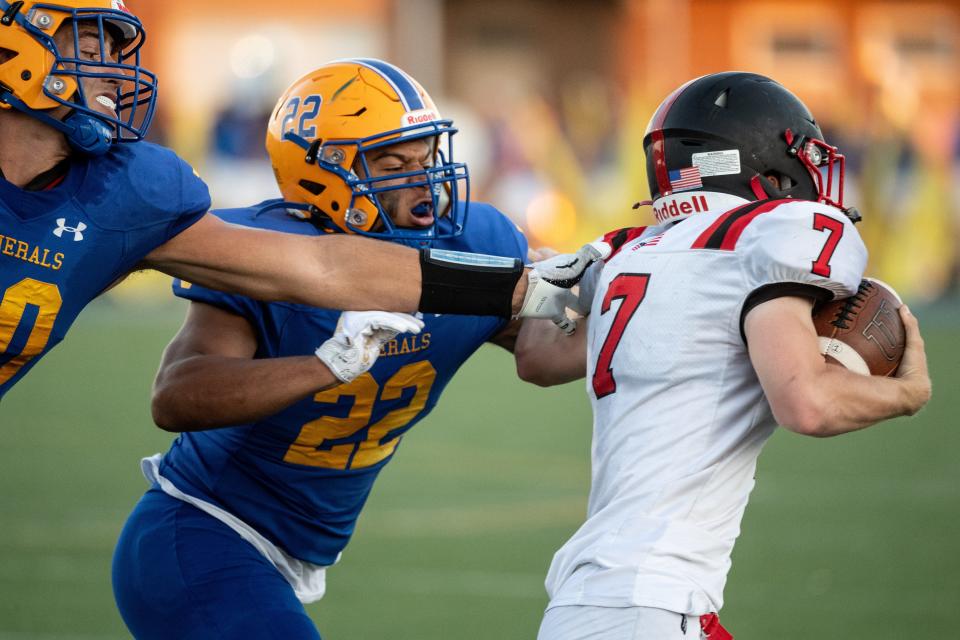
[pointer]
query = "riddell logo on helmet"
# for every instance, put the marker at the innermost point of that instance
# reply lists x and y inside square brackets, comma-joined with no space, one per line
[680,206]
[419,117]
[119,6]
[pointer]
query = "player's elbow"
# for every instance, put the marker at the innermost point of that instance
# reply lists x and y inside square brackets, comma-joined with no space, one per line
[163,407]
[532,367]
[802,407]
[164,419]
[802,416]
[529,370]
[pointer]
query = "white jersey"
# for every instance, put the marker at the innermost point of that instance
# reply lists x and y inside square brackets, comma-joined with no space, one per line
[679,414]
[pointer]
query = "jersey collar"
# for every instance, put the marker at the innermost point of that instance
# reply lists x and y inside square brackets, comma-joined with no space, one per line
[47,179]
[679,206]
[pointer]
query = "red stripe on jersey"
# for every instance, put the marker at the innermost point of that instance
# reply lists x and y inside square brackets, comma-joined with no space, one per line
[701,242]
[725,230]
[729,242]
[616,239]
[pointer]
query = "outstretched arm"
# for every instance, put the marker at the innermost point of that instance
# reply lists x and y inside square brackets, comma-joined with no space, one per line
[811,397]
[335,271]
[352,272]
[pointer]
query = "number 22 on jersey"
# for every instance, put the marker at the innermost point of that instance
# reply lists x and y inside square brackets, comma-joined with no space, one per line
[352,442]
[34,305]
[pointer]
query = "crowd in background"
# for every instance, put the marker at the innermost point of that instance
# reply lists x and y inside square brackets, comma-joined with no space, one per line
[553,133]
[567,173]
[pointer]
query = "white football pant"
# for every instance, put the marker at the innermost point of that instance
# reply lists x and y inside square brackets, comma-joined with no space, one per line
[579,622]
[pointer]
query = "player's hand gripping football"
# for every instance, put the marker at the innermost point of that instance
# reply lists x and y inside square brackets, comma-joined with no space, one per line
[913,367]
[549,282]
[354,347]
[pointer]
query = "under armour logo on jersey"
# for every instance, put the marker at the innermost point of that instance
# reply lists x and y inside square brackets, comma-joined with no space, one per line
[77,231]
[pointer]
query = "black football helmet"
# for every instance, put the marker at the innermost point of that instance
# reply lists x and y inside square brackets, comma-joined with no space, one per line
[774,133]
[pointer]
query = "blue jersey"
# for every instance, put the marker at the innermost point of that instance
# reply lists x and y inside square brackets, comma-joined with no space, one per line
[62,247]
[301,477]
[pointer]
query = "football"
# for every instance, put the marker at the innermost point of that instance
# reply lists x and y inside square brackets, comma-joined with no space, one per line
[864,332]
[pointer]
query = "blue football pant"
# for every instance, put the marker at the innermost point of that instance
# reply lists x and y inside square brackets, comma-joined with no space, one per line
[180,574]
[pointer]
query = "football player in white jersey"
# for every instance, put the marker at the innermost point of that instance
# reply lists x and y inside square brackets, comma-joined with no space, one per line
[699,342]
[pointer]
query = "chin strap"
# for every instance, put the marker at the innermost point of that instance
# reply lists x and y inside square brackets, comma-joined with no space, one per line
[758,187]
[85,133]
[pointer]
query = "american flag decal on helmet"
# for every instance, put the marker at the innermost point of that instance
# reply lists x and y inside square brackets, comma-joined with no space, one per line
[684,179]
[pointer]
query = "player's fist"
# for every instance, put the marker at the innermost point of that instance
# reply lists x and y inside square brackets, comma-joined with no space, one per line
[355,345]
[549,282]
[566,269]
[913,367]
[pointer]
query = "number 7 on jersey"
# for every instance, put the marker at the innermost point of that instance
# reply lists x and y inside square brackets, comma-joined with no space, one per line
[630,288]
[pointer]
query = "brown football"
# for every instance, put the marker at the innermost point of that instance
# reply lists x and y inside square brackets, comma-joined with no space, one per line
[864,332]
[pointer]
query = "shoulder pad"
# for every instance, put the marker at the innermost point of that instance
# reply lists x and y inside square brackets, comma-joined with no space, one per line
[797,241]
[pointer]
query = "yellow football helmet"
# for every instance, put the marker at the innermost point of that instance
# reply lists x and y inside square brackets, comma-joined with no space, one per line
[324,124]
[35,76]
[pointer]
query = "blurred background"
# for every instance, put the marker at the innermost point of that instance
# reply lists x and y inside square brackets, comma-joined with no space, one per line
[552,98]
[850,538]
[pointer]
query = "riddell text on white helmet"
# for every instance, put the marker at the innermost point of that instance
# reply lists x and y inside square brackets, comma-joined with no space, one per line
[680,206]
[419,117]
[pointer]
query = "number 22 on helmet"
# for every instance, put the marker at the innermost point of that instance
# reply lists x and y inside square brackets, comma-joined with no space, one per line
[325,125]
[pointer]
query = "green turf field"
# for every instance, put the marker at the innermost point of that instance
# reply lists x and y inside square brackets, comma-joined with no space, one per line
[847,538]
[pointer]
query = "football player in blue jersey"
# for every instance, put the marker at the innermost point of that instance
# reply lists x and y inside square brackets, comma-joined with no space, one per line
[262,490]
[78,211]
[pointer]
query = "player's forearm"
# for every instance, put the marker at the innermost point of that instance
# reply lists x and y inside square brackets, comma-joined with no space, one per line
[839,401]
[206,392]
[336,271]
[354,273]
[546,356]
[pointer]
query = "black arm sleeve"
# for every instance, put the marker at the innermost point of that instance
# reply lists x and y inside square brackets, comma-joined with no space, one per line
[467,283]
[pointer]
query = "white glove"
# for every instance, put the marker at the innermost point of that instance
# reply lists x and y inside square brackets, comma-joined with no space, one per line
[549,282]
[355,345]
[586,290]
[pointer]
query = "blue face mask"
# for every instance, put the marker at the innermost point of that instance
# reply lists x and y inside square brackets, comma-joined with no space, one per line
[447,183]
[88,130]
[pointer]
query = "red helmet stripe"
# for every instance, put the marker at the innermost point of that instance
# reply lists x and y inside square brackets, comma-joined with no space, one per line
[660,163]
[655,129]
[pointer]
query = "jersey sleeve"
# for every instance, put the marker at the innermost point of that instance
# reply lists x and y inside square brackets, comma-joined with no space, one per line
[616,239]
[801,249]
[194,200]
[155,196]
[238,305]
[515,243]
